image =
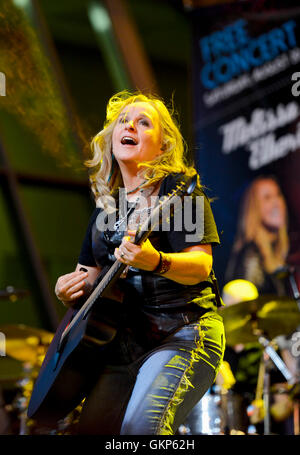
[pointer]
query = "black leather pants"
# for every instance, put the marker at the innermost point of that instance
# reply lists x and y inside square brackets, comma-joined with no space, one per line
[154,392]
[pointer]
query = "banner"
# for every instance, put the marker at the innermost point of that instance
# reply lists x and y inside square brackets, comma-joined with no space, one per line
[246,84]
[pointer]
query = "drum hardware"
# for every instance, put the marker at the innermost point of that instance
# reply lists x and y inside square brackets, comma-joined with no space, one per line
[269,353]
[294,287]
[21,401]
[278,362]
[288,271]
[255,410]
[217,413]
[24,343]
[25,346]
[260,320]
[230,402]
[270,314]
[225,378]
[234,413]
[283,405]
[206,417]
[12,294]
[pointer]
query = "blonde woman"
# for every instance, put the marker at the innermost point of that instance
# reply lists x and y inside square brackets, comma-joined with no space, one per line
[170,338]
[261,244]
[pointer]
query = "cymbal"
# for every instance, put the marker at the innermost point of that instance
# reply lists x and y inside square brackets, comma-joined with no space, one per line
[270,314]
[13,294]
[23,342]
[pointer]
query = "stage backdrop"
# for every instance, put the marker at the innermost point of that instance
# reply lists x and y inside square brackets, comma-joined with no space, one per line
[246,111]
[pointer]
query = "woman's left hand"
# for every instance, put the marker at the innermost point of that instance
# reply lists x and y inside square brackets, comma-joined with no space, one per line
[144,256]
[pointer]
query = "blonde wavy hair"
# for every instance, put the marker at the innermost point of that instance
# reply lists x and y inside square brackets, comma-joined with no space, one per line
[251,229]
[105,176]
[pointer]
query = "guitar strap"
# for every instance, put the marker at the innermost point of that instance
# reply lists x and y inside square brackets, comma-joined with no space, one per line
[219,300]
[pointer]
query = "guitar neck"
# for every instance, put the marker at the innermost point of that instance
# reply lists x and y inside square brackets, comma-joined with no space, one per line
[111,276]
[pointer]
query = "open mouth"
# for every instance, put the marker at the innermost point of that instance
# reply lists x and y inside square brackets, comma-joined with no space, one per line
[128,140]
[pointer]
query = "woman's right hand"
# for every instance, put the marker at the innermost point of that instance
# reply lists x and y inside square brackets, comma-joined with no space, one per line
[71,286]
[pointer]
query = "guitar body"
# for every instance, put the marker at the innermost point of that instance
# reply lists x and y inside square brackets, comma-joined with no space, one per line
[67,372]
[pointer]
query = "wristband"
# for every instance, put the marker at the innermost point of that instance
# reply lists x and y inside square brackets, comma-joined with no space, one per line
[163,265]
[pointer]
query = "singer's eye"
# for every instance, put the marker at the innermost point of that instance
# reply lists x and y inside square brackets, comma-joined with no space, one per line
[144,122]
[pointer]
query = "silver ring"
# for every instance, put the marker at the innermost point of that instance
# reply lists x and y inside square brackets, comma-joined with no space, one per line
[122,254]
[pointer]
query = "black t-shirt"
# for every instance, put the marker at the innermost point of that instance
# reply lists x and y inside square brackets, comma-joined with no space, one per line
[98,247]
[170,241]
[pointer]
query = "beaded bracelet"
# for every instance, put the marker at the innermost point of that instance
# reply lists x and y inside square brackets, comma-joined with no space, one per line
[163,265]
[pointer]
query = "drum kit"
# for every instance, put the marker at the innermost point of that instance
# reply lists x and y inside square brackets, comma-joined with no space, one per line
[22,351]
[220,411]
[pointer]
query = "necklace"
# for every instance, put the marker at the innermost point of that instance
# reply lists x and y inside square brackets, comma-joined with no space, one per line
[122,220]
[134,189]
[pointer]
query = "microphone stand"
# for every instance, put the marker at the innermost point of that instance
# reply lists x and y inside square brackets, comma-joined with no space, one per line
[294,286]
[288,271]
[279,363]
[296,295]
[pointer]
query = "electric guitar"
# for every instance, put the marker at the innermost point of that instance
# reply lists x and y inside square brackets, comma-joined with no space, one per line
[70,364]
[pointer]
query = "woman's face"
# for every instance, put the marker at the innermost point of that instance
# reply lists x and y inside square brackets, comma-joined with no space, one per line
[137,134]
[271,204]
